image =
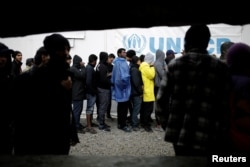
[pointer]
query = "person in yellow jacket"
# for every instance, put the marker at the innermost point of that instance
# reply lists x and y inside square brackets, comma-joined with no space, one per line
[148,74]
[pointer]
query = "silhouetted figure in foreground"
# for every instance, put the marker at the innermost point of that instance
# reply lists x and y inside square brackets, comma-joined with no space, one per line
[43,111]
[193,99]
[238,59]
[5,100]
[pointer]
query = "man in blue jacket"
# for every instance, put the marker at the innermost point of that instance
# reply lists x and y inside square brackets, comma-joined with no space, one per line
[121,88]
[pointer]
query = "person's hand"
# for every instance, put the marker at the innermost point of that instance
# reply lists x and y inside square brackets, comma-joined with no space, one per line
[67,83]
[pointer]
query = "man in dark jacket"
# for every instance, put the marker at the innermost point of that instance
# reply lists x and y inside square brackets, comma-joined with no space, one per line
[91,92]
[43,110]
[136,90]
[103,87]
[78,90]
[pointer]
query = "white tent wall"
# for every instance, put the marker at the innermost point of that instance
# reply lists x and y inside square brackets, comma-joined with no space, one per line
[142,40]
[246,34]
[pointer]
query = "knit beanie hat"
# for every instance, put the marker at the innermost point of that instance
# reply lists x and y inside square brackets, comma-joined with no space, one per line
[149,58]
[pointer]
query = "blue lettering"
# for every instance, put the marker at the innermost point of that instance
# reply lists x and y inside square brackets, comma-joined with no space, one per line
[210,49]
[214,45]
[152,44]
[171,43]
[219,42]
[177,44]
[174,45]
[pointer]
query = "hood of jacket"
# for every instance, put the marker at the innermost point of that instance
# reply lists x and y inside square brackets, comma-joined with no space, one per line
[76,61]
[159,55]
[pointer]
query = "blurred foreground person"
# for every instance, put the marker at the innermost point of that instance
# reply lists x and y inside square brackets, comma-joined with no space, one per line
[43,111]
[193,100]
[238,59]
[5,100]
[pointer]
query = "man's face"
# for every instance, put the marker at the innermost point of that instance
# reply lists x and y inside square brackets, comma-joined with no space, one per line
[124,54]
[110,60]
[19,57]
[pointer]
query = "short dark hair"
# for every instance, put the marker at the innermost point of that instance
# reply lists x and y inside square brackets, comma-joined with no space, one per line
[92,58]
[120,50]
[111,55]
[131,53]
[142,56]
[15,53]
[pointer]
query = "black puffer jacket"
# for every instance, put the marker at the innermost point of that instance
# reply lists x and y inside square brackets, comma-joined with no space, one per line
[78,79]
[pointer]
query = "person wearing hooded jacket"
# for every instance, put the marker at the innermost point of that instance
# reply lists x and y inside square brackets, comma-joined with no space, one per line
[136,91]
[91,92]
[103,88]
[160,70]
[121,88]
[78,90]
[148,74]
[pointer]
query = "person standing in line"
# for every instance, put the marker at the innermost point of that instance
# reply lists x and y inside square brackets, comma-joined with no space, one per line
[78,90]
[160,71]
[16,68]
[193,99]
[170,54]
[91,92]
[47,128]
[121,88]
[136,90]
[111,58]
[6,117]
[129,54]
[103,87]
[148,75]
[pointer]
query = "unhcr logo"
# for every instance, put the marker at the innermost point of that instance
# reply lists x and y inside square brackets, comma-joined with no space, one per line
[135,42]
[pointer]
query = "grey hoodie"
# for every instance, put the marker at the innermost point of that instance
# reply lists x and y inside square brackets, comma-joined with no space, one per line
[160,66]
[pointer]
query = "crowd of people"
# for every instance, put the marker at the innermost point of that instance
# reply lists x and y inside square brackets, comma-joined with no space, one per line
[201,102]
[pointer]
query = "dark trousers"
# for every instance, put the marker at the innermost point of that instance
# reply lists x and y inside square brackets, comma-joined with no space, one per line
[122,112]
[103,102]
[146,111]
[77,111]
[109,106]
[156,118]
